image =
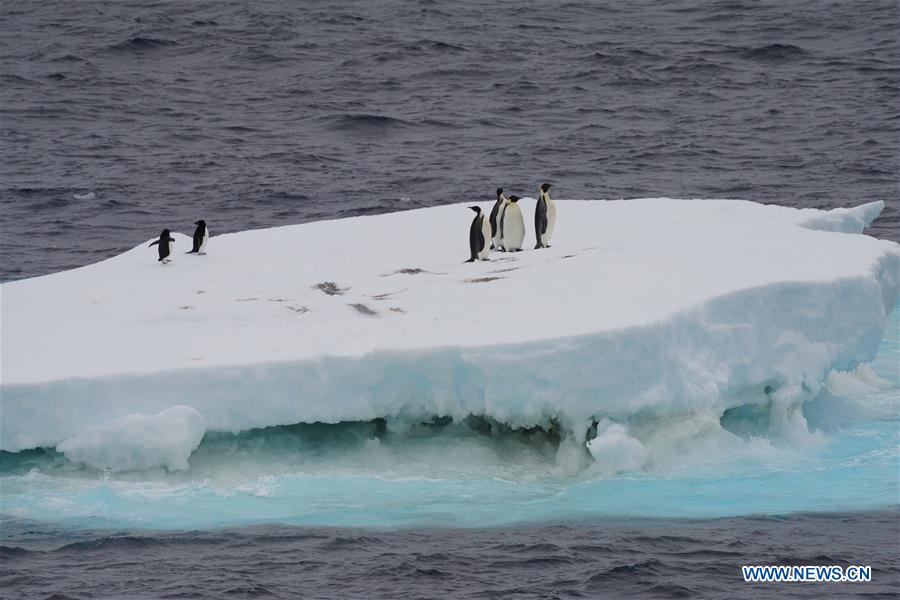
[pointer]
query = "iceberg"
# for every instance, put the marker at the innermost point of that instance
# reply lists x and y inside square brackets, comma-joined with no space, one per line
[642,311]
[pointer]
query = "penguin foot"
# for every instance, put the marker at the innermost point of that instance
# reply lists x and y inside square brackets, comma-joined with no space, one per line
[470,260]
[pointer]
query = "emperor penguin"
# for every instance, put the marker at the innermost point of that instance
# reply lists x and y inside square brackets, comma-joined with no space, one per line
[512,226]
[166,245]
[544,218]
[479,234]
[201,236]
[496,215]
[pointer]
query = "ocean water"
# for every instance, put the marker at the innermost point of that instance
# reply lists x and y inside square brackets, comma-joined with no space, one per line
[613,558]
[120,118]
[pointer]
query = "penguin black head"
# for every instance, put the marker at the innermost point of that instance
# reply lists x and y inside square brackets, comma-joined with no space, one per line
[201,223]
[164,234]
[477,209]
[499,191]
[545,187]
[513,198]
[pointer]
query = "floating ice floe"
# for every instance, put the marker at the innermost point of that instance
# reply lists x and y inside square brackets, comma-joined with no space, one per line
[653,308]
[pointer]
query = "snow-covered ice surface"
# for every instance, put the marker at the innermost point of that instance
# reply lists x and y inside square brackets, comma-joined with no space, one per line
[653,306]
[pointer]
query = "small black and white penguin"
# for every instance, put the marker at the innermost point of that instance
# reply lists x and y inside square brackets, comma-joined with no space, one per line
[512,226]
[166,245]
[495,224]
[544,217]
[201,236]
[479,234]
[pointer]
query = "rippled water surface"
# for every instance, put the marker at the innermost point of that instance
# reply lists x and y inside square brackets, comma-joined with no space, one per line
[619,558]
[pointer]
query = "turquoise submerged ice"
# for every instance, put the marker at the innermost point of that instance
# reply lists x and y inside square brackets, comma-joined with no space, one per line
[757,394]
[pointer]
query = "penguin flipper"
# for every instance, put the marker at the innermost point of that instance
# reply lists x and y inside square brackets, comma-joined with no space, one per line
[153,244]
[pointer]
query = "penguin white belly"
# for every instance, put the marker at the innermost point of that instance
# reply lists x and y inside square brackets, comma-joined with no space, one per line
[513,228]
[203,243]
[551,221]
[171,251]
[486,232]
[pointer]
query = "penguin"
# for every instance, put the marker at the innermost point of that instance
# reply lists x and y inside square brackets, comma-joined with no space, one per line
[544,218]
[495,224]
[512,226]
[166,243]
[201,236]
[479,234]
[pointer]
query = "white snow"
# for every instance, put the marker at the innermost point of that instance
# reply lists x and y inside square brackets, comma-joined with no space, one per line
[659,305]
[139,442]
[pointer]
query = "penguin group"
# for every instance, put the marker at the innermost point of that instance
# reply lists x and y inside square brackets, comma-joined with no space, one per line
[166,242]
[504,228]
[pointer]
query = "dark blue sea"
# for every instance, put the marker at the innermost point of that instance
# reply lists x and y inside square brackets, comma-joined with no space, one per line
[119,118]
